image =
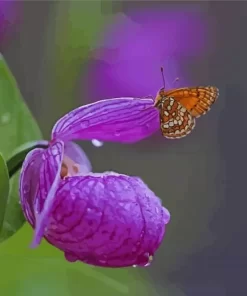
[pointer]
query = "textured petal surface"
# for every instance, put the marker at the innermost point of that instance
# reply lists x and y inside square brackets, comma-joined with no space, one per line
[108,219]
[29,183]
[48,184]
[124,120]
[76,153]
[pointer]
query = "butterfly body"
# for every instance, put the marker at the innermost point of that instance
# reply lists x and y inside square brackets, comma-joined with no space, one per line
[179,108]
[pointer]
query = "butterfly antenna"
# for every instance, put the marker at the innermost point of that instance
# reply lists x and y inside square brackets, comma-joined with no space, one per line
[163,77]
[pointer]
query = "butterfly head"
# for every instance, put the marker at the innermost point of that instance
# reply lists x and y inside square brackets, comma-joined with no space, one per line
[162,92]
[159,97]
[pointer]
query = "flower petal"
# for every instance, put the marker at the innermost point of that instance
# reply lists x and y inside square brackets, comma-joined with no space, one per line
[29,183]
[124,120]
[49,182]
[108,219]
[76,153]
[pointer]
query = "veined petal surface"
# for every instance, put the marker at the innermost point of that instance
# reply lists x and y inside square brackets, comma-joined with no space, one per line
[108,219]
[124,120]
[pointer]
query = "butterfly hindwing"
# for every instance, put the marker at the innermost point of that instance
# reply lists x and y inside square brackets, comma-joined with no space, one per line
[176,122]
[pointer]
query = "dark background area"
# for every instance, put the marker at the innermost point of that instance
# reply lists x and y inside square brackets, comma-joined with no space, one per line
[201,179]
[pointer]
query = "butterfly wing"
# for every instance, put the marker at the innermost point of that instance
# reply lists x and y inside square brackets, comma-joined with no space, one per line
[175,121]
[196,100]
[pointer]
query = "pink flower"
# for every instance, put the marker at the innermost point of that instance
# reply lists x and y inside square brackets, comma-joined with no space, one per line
[107,219]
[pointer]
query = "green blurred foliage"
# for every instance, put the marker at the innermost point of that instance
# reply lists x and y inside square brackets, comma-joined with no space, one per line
[44,271]
[17,126]
[75,32]
[4,188]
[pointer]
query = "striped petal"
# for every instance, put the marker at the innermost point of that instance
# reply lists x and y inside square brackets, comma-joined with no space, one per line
[125,120]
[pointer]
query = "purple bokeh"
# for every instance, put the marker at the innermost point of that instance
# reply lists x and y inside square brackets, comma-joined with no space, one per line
[135,47]
[10,12]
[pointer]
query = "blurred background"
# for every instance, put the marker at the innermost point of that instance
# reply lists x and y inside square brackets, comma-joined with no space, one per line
[64,54]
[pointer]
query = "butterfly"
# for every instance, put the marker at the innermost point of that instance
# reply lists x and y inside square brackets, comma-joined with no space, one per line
[180,107]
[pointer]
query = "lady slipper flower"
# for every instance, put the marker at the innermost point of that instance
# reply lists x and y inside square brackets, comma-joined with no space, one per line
[104,219]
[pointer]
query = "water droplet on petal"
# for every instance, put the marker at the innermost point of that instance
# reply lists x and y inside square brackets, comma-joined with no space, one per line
[147,126]
[100,185]
[150,259]
[125,205]
[84,124]
[70,257]
[97,143]
[53,226]
[117,134]
[167,215]
[26,189]
[134,249]
[5,118]
[142,233]
[90,183]
[98,214]
[148,264]
[144,260]
[111,193]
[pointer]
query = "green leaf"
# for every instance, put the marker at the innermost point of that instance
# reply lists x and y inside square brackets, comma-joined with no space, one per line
[44,271]
[19,155]
[4,188]
[17,126]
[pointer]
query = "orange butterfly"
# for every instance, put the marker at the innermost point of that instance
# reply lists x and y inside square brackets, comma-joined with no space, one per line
[179,108]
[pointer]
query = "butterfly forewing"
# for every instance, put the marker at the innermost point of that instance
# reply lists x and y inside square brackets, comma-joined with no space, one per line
[175,121]
[196,100]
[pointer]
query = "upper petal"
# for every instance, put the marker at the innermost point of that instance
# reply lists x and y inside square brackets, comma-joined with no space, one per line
[29,183]
[108,219]
[124,120]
